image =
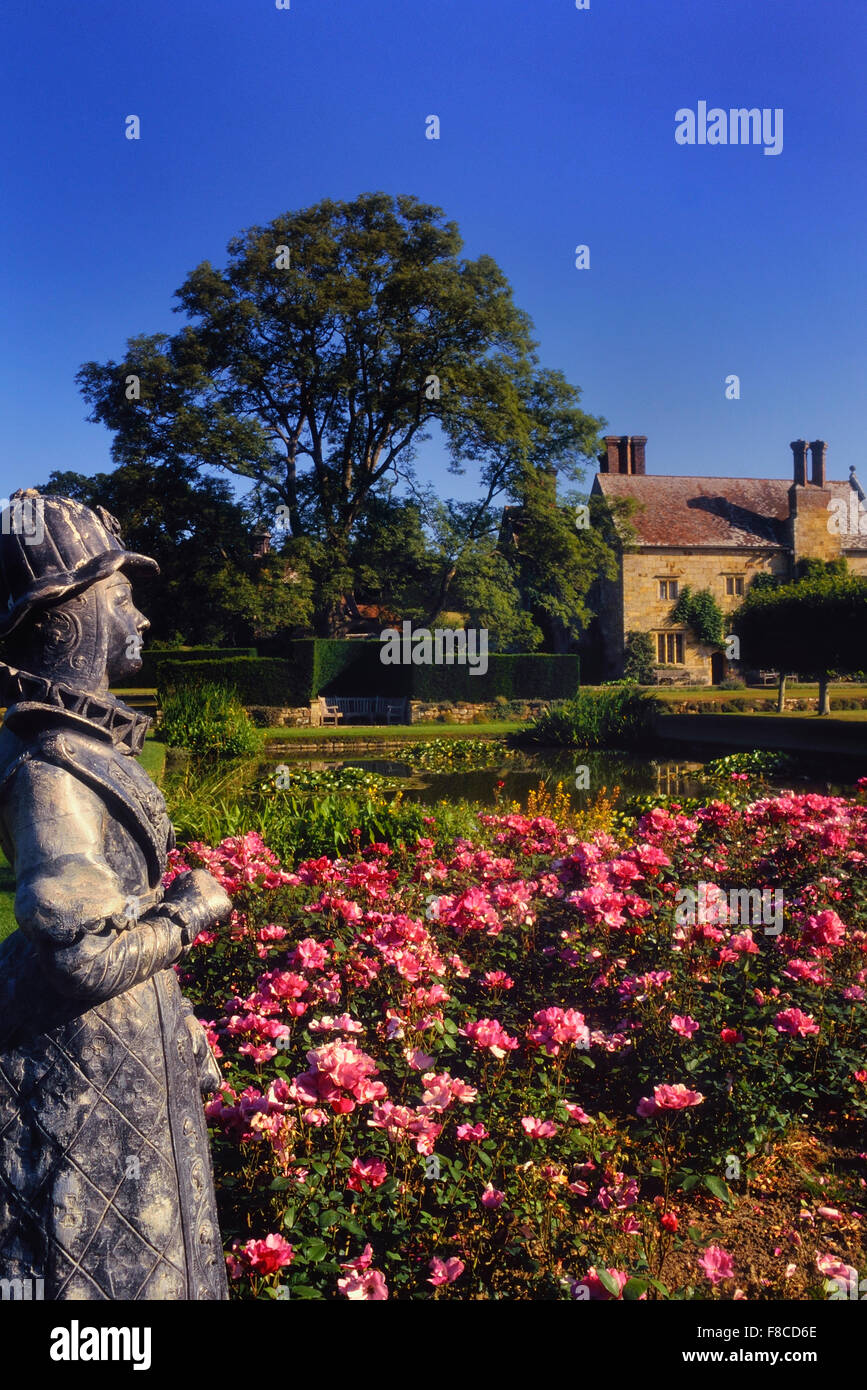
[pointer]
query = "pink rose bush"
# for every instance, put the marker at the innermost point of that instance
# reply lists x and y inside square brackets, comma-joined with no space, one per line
[478,1066]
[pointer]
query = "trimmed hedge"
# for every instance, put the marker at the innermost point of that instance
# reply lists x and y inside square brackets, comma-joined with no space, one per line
[152,661]
[258,680]
[354,668]
[340,667]
[522,676]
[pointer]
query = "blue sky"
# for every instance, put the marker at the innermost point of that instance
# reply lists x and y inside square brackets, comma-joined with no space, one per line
[557,128]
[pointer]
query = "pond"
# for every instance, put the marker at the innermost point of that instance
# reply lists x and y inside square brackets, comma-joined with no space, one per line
[515,776]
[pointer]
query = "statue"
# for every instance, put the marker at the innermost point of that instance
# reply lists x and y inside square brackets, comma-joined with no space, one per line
[106,1187]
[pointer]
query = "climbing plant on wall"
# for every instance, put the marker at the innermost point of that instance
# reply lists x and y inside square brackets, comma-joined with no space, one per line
[700,611]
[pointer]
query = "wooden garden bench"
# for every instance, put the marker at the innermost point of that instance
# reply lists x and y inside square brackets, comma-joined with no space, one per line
[365,708]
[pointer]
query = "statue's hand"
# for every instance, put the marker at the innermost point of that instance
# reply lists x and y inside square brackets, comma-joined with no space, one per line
[210,1076]
[195,901]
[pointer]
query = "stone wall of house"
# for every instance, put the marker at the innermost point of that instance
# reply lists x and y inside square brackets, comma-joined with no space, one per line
[812,538]
[645,611]
[606,601]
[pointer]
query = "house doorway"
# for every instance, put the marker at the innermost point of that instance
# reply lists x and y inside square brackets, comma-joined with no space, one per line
[717,667]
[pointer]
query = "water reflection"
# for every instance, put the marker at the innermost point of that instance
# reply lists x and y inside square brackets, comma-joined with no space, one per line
[521,774]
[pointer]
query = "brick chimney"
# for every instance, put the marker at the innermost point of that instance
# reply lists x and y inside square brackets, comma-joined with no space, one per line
[811,536]
[624,453]
[799,449]
[609,462]
[818,449]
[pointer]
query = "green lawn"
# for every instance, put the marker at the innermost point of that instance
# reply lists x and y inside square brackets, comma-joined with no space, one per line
[711,694]
[153,758]
[7,898]
[856,714]
[386,731]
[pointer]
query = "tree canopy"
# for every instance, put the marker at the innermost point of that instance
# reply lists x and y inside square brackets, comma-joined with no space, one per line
[211,588]
[316,363]
[813,627]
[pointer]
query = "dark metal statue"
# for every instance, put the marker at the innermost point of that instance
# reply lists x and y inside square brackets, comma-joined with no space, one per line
[106,1188]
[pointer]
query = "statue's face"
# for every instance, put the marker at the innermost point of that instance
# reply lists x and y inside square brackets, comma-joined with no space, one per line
[125,627]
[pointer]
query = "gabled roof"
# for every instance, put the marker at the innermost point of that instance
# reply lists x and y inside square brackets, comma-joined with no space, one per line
[711,513]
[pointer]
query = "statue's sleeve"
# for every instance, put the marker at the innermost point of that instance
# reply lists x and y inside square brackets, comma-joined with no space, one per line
[67,894]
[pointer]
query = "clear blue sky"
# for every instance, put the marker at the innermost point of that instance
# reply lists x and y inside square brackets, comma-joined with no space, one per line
[557,128]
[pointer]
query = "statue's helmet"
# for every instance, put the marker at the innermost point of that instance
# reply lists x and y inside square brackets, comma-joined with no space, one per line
[52,548]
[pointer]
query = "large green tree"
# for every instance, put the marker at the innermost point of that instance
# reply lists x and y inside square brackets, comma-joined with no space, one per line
[813,627]
[211,588]
[318,360]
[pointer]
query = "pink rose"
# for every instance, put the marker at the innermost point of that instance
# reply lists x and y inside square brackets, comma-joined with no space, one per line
[683,1025]
[445,1271]
[796,1023]
[539,1129]
[667,1097]
[492,1198]
[717,1264]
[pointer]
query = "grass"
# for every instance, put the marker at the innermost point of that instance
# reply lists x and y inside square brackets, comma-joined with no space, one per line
[7,898]
[153,758]
[795,690]
[389,731]
[852,714]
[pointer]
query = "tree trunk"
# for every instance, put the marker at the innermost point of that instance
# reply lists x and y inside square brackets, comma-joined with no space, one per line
[824,696]
[781,693]
[439,602]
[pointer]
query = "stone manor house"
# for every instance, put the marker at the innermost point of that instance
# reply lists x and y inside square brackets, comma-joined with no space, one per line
[716,534]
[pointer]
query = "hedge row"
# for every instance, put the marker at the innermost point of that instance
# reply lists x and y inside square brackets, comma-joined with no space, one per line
[153,660]
[258,680]
[315,667]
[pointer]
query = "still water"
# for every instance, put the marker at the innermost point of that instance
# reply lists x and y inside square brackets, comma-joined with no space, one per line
[522,773]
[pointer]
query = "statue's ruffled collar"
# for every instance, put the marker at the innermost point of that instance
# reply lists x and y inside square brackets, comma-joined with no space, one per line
[35,703]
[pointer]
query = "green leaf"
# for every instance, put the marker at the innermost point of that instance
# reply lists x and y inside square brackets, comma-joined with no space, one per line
[330,1218]
[314,1250]
[634,1288]
[608,1283]
[718,1188]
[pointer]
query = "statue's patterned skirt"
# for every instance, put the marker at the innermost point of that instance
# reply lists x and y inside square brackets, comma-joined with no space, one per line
[106,1190]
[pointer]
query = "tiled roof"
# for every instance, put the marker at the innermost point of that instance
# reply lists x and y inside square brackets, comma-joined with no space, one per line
[741,513]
